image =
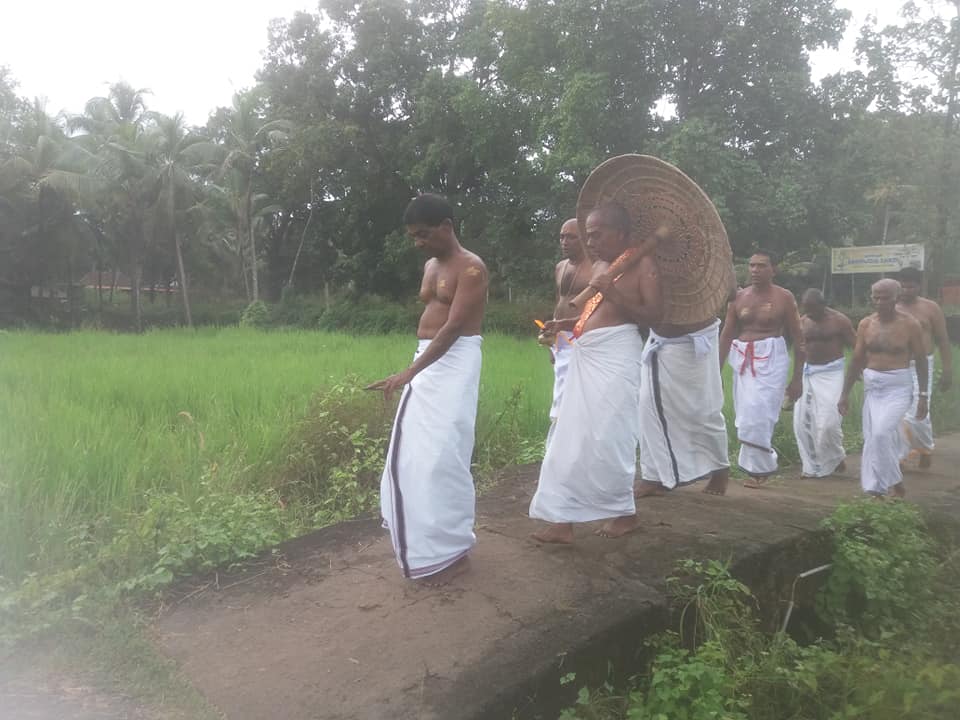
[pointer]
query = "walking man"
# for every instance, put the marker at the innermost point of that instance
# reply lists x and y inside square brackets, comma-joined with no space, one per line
[753,342]
[683,436]
[918,434]
[816,420]
[590,463]
[426,493]
[571,276]
[887,341]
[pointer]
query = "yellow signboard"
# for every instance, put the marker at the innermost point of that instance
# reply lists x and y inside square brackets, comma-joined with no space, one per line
[875,258]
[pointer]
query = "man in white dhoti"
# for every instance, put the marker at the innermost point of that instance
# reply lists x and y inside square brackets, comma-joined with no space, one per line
[426,492]
[590,462]
[571,276]
[683,435]
[886,342]
[917,435]
[752,341]
[816,420]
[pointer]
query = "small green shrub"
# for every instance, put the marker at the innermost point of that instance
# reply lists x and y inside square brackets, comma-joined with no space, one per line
[256,314]
[883,567]
[335,456]
[897,588]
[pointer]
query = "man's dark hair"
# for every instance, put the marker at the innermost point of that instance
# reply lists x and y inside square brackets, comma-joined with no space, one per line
[769,254]
[616,216]
[910,275]
[428,209]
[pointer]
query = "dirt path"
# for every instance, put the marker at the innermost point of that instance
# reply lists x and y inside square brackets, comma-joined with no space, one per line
[327,628]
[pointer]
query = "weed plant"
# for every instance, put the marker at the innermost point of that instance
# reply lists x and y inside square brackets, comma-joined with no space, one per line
[891,603]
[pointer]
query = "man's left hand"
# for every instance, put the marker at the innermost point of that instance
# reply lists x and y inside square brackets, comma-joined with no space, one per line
[391,384]
[601,282]
[921,408]
[795,389]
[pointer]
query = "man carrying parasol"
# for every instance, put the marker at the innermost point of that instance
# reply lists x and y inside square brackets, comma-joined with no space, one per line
[590,463]
[752,341]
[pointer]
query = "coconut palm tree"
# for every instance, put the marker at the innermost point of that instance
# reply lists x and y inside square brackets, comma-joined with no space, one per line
[180,158]
[247,136]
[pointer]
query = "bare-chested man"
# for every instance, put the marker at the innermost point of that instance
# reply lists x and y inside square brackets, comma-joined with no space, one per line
[572,274]
[918,434]
[816,421]
[752,341]
[886,343]
[427,493]
[588,470]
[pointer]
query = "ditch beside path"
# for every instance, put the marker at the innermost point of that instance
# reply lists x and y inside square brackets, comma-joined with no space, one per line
[328,628]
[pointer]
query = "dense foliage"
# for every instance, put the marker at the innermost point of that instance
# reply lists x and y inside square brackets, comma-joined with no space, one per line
[502,105]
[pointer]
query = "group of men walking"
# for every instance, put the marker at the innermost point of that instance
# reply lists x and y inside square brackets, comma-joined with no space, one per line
[615,391]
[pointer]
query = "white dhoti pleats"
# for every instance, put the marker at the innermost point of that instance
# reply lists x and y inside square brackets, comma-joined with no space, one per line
[816,420]
[562,350]
[590,461]
[683,436]
[917,435]
[886,397]
[427,495]
[760,369]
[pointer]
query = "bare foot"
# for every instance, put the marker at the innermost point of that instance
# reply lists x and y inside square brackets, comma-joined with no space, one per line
[446,575]
[898,490]
[925,462]
[645,488]
[755,483]
[718,482]
[618,527]
[558,533]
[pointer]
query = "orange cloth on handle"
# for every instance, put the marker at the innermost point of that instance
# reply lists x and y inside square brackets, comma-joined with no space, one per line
[594,302]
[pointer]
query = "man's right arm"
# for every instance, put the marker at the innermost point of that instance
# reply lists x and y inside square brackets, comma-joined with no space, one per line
[857,363]
[729,330]
[938,324]
[919,353]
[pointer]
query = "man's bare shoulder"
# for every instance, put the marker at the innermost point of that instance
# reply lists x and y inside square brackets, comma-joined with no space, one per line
[931,307]
[472,266]
[785,295]
[865,324]
[909,320]
[838,317]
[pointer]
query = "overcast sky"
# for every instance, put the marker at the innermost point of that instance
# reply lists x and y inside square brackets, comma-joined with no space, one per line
[192,55]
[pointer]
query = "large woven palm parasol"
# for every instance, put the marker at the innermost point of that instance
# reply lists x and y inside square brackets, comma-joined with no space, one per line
[695,262]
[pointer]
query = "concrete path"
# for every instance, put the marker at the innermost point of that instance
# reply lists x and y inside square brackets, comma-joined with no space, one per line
[329,628]
[326,627]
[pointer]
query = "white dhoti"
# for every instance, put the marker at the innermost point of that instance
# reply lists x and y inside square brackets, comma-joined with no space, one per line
[683,436]
[591,455]
[427,495]
[562,350]
[917,435]
[816,420]
[886,397]
[760,369]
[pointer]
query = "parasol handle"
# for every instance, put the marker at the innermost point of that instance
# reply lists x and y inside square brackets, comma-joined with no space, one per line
[647,247]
